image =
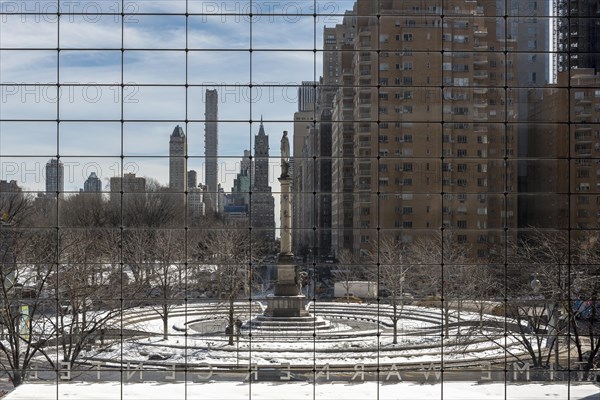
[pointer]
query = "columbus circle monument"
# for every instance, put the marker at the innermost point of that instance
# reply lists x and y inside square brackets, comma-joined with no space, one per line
[309,331]
[287,307]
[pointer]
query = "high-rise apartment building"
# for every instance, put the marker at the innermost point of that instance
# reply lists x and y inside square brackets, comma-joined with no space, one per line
[304,197]
[577,34]
[129,183]
[343,159]
[336,41]
[312,187]
[262,203]
[303,122]
[528,26]
[564,175]
[195,202]
[9,186]
[192,179]
[339,46]
[211,142]
[93,184]
[55,177]
[177,161]
[429,148]
[221,200]
[528,22]
[307,96]
[323,184]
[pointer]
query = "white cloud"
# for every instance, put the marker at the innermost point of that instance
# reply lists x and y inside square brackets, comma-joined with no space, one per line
[154,103]
[102,32]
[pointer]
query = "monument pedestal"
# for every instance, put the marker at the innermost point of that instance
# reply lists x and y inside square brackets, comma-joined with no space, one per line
[287,300]
[286,306]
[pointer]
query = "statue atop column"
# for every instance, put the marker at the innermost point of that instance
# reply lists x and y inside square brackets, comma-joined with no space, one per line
[285,156]
[287,299]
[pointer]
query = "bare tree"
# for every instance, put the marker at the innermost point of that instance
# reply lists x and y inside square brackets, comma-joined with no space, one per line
[230,248]
[84,282]
[535,286]
[442,270]
[583,296]
[85,287]
[144,214]
[169,274]
[138,253]
[157,207]
[15,207]
[394,272]
[481,286]
[23,298]
[347,270]
[584,316]
[57,284]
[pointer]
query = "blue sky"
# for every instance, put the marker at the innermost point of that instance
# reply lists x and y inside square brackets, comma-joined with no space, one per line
[156,67]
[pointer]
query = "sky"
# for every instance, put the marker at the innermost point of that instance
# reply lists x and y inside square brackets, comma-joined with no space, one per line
[155,69]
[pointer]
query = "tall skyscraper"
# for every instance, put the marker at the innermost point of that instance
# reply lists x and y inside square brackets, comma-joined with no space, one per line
[262,202]
[577,34]
[211,142]
[93,184]
[55,177]
[177,164]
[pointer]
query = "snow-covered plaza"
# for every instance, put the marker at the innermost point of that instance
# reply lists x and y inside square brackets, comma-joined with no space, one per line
[303,391]
[354,334]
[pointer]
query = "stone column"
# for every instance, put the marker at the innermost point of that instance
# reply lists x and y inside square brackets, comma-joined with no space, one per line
[287,284]
[287,300]
[286,216]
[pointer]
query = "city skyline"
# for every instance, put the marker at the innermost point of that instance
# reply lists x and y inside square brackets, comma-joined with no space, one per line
[395,192]
[141,32]
[100,99]
[143,133]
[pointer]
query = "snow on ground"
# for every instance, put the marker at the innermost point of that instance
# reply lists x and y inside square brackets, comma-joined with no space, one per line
[304,391]
[302,351]
[179,349]
[349,342]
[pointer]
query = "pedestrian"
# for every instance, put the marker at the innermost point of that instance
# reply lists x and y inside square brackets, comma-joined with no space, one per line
[238,327]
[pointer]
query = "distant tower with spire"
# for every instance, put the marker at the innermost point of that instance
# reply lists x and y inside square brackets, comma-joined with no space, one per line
[262,202]
[177,167]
